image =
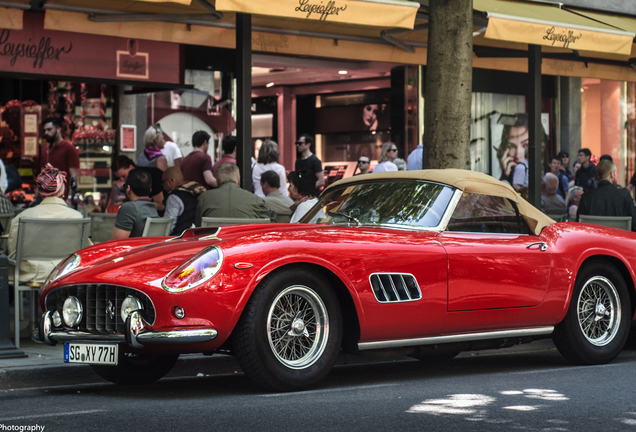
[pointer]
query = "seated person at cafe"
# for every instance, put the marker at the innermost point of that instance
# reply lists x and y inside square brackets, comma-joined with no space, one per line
[229,200]
[132,215]
[275,200]
[122,166]
[551,202]
[50,185]
[182,199]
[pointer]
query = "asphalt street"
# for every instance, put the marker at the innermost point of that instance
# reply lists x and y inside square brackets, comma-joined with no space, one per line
[500,391]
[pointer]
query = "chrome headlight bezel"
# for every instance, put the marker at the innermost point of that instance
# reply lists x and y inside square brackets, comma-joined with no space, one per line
[130,304]
[66,266]
[72,311]
[195,271]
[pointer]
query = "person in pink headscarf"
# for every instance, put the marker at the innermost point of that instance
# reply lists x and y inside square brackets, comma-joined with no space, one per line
[50,184]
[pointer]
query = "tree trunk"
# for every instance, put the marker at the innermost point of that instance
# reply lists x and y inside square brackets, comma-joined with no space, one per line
[449,72]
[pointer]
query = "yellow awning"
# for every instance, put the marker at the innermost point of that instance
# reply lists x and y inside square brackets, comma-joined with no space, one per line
[378,13]
[10,19]
[537,24]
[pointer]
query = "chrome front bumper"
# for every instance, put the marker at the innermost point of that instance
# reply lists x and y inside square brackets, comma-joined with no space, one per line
[138,333]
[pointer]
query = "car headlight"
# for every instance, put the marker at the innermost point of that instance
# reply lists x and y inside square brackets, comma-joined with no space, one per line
[130,304]
[194,271]
[72,311]
[64,267]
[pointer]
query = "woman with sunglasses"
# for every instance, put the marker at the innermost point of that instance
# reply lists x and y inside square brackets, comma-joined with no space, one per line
[389,154]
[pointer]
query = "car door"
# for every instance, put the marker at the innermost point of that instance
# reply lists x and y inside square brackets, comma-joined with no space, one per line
[493,260]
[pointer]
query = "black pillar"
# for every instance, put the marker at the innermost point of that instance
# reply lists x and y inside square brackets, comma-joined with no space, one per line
[244,98]
[535,161]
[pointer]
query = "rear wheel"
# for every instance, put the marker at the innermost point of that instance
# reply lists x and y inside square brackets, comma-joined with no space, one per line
[290,333]
[136,369]
[596,326]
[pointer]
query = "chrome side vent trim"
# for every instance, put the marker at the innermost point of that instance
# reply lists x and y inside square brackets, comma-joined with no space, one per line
[394,287]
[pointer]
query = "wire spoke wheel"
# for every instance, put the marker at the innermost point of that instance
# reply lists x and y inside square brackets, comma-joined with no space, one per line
[599,311]
[298,327]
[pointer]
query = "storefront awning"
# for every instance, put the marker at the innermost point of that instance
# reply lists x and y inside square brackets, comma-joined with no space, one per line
[379,13]
[547,25]
[10,19]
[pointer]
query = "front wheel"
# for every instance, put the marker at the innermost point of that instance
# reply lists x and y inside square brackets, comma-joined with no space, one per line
[290,333]
[596,326]
[134,369]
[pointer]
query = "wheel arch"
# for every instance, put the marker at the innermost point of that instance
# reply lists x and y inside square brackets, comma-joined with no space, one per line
[622,269]
[350,318]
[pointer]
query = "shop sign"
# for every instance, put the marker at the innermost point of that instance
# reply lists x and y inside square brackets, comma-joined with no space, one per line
[554,35]
[34,50]
[378,13]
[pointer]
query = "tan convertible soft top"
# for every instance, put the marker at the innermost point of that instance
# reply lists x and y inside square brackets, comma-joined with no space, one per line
[467,181]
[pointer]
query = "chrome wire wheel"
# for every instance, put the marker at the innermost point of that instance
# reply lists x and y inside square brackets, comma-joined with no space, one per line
[599,311]
[298,327]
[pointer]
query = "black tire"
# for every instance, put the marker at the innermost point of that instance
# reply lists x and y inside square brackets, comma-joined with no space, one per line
[596,326]
[290,333]
[136,369]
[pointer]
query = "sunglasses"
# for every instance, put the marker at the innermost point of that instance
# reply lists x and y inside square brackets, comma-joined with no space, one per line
[300,143]
[392,150]
[363,162]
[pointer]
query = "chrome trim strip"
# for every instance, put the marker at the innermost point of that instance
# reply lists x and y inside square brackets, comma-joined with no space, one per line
[455,338]
[450,210]
[135,336]
[177,337]
[397,296]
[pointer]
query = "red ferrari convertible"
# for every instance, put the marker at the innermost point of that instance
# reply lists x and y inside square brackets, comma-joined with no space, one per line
[421,263]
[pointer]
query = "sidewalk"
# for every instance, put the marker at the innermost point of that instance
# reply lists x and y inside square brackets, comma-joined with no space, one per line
[45,365]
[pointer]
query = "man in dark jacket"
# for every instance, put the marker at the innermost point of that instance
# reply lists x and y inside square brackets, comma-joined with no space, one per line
[584,177]
[182,199]
[607,199]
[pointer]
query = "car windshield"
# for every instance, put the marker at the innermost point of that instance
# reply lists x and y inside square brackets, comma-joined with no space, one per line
[406,203]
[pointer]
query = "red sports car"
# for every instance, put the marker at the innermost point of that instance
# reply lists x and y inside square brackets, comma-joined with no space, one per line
[420,263]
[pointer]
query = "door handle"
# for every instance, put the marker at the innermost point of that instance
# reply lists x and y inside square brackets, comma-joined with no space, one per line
[541,245]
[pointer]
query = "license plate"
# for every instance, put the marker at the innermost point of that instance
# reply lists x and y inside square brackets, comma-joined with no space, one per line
[103,354]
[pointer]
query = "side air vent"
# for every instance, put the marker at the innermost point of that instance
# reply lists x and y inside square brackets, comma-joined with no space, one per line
[390,287]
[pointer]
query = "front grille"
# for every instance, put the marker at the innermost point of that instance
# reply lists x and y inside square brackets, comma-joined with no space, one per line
[95,301]
[391,288]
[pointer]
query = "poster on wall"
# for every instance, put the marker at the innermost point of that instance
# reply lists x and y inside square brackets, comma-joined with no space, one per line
[128,141]
[509,143]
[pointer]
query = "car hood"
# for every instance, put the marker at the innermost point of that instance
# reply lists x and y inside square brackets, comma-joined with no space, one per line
[138,263]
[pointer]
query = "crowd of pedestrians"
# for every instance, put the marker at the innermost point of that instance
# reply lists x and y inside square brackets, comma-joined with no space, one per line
[588,189]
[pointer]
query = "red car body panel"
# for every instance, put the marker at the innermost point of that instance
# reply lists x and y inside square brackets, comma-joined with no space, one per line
[454,272]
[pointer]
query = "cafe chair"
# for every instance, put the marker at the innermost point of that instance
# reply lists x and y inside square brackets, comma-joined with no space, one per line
[43,240]
[283,217]
[5,221]
[217,221]
[623,222]
[157,227]
[102,225]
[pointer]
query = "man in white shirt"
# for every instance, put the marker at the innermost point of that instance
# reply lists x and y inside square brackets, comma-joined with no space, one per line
[414,161]
[171,151]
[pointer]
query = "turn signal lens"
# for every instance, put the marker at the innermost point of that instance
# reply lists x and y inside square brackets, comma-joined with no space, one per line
[64,267]
[194,271]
